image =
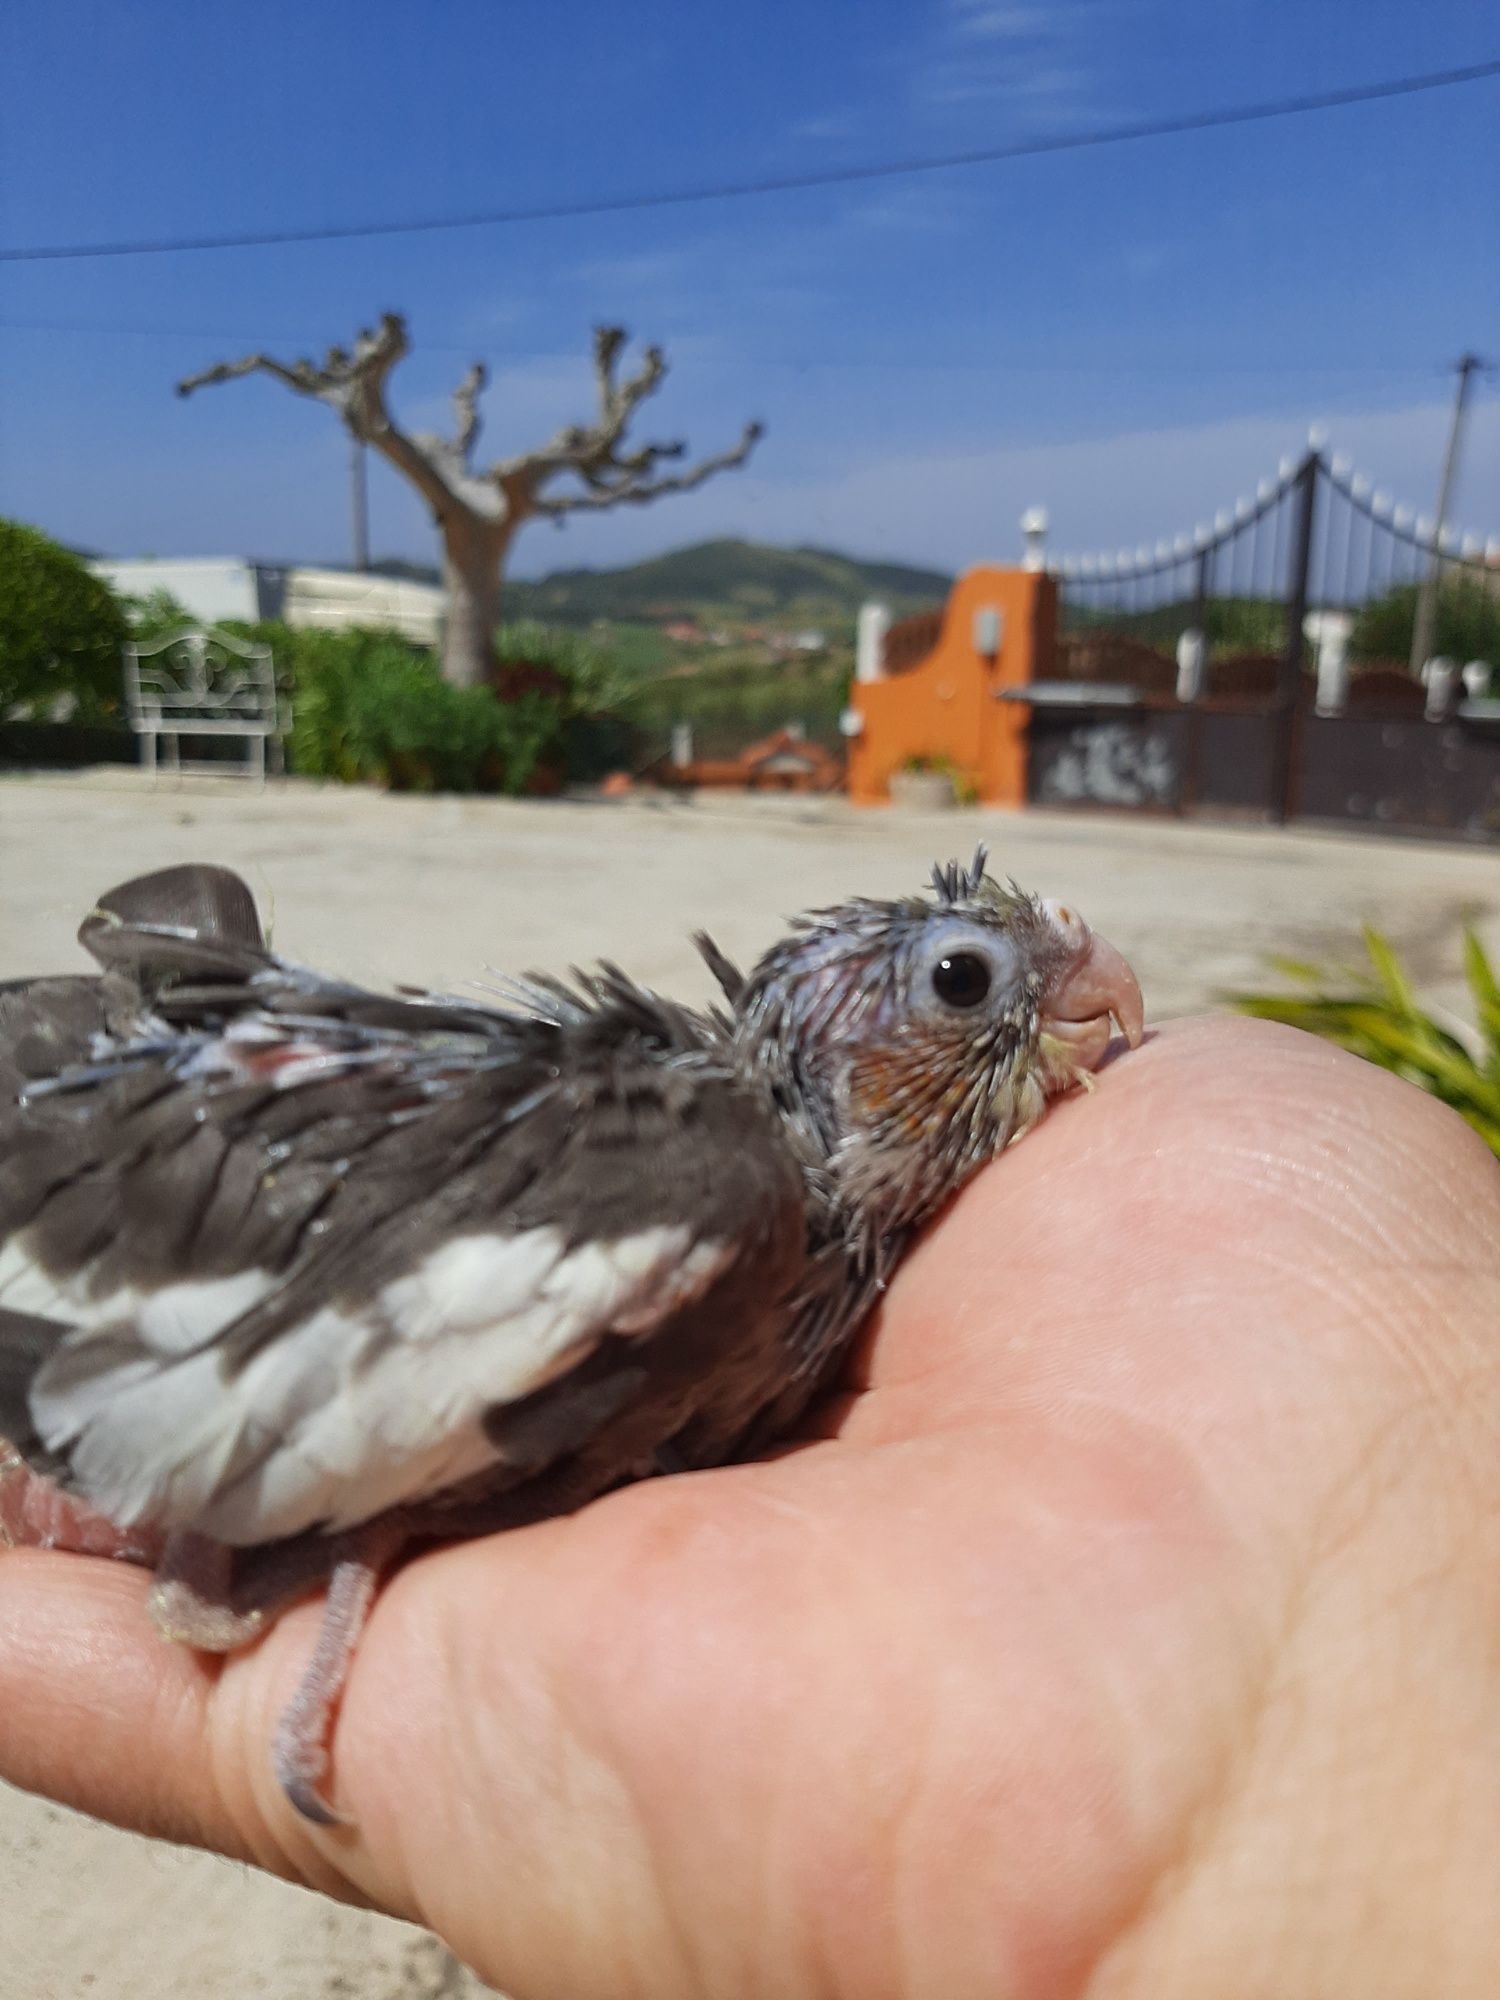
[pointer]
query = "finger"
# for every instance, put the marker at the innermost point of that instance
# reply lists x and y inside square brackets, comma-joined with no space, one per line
[96,1711]
[99,1712]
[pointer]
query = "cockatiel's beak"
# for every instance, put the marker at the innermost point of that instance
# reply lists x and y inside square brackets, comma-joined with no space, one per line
[1095,985]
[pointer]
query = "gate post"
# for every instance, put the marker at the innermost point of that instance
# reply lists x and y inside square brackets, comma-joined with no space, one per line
[1289,685]
[1192,774]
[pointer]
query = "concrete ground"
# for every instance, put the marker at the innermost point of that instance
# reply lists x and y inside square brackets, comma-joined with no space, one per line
[436,891]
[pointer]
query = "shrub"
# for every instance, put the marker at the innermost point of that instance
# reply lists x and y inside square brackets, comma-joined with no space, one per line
[1379,1018]
[158,614]
[732,706]
[1467,625]
[588,680]
[928,763]
[61,632]
[1233,624]
[368,706]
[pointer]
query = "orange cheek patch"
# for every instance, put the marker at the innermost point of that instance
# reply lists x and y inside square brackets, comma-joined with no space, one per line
[913,1087]
[871,1088]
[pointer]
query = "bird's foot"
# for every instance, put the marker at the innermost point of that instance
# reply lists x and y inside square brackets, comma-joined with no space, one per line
[301,1752]
[190,1601]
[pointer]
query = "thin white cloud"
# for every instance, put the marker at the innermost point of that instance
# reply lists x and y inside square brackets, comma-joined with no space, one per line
[827,126]
[496,317]
[928,207]
[979,21]
[1038,93]
[1029,61]
[638,271]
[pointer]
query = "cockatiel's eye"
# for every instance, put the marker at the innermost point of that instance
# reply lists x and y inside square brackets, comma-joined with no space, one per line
[961,979]
[963,970]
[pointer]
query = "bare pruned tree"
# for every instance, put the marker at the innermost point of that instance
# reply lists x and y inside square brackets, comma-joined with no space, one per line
[479,509]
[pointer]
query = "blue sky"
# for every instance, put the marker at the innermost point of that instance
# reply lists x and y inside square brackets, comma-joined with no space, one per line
[1130,336]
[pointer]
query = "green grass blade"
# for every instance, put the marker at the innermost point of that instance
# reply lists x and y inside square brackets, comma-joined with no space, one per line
[1300,969]
[1486,990]
[1388,970]
[1386,1025]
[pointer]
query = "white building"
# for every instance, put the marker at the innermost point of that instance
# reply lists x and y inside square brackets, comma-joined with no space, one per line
[214,588]
[208,587]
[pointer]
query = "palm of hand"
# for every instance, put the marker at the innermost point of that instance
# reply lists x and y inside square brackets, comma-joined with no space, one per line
[990,1688]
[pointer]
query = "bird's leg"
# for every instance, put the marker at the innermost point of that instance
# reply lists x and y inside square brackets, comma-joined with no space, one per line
[302,1736]
[190,1600]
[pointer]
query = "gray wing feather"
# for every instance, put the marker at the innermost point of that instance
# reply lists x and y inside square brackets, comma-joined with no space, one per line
[274,1156]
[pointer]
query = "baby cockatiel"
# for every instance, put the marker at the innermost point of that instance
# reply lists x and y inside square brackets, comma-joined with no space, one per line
[293,1275]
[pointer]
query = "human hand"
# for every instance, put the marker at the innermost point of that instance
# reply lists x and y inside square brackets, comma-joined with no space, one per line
[1129,1626]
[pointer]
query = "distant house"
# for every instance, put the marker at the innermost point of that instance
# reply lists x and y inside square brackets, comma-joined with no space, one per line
[684,631]
[796,642]
[337,599]
[783,762]
[213,588]
[210,588]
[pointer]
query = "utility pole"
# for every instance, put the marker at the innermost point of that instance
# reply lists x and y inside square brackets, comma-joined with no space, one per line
[1426,620]
[361,504]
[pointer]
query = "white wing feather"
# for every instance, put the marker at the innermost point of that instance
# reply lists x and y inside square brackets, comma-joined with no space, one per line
[352,1411]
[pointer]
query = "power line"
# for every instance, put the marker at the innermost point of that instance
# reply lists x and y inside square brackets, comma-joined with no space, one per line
[1106,135]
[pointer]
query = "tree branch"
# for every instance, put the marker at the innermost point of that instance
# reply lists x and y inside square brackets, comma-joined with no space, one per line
[637,485]
[618,400]
[589,449]
[497,500]
[299,375]
[354,386]
[591,452]
[466,409]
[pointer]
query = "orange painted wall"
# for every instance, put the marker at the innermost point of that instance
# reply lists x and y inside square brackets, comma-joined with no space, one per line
[946,706]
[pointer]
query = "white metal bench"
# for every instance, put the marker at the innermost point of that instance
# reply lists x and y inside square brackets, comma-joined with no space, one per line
[202,682]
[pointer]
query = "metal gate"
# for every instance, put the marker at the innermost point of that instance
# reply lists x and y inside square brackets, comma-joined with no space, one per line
[1261,665]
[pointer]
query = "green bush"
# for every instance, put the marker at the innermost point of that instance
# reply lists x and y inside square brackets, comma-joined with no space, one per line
[1380,1019]
[730,707]
[158,615]
[1467,625]
[370,707]
[61,632]
[1233,624]
[587,679]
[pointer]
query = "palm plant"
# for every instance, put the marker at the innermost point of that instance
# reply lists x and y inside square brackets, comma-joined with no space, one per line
[1379,1017]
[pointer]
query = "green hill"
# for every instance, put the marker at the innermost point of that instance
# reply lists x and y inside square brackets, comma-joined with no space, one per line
[737,582]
